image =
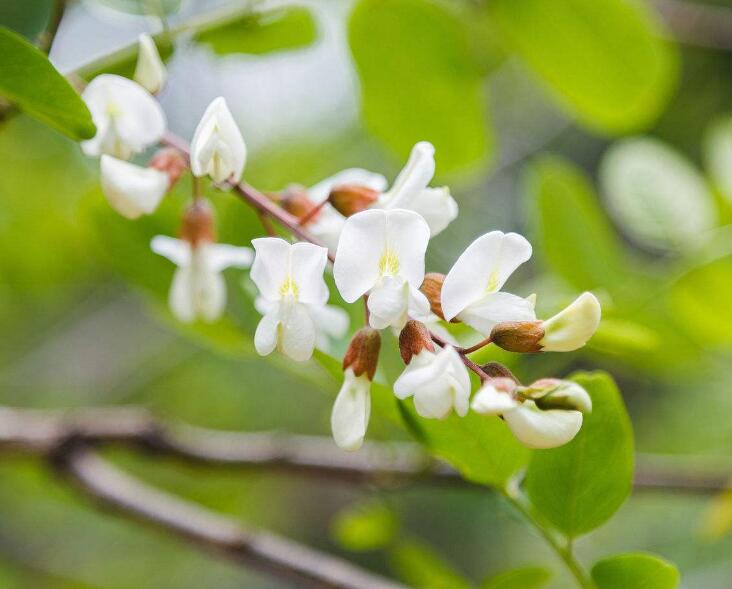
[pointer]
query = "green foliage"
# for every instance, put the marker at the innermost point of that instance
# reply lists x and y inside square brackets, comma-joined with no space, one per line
[29,80]
[27,18]
[523,578]
[602,58]
[578,486]
[639,571]
[365,526]
[718,155]
[420,80]
[277,30]
[420,567]
[146,7]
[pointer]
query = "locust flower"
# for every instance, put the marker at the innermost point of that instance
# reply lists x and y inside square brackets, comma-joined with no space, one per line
[132,190]
[471,291]
[198,290]
[382,253]
[438,381]
[352,408]
[150,71]
[290,279]
[217,147]
[127,117]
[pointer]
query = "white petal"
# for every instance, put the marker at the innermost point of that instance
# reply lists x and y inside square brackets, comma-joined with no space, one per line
[420,370]
[437,207]
[209,295]
[271,265]
[149,71]
[265,338]
[573,326]
[222,256]
[265,306]
[543,429]
[180,298]
[132,190]
[418,305]
[413,179]
[489,401]
[298,334]
[482,268]
[388,303]
[433,400]
[407,235]
[351,411]
[176,250]
[461,388]
[356,176]
[327,227]
[570,395]
[217,147]
[307,264]
[330,319]
[361,246]
[497,307]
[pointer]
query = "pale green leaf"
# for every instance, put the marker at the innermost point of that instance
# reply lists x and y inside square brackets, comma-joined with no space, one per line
[636,571]
[718,155]
[365,526]
[523,578]
[419,566]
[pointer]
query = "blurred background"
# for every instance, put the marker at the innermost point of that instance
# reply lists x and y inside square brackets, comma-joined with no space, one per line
[601,130]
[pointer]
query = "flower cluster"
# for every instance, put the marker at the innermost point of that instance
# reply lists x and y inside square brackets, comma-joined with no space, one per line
[377,238]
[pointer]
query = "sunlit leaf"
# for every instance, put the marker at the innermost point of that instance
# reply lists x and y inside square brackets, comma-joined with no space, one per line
[718,155]
[604,59]
[419,566]
[524,578]
[365,526]
[639,571]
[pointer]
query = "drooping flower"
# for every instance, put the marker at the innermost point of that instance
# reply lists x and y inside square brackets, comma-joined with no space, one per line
[132,190]
[198,290]
[127,117]
[290,279]
[382,253]
[217,147]
[471,290]
[150,71]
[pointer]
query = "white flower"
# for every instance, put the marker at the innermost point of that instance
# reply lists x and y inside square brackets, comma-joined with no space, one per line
[410,190]
[382,253]
[149,72]
[534,427]
[351,411]
[438,381]
[132,190]
[198,290]
[290,279]
[127,117]
[217,147]
[573,326]
[471,288]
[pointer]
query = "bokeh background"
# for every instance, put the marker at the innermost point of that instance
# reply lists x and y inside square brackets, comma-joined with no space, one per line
[601,130]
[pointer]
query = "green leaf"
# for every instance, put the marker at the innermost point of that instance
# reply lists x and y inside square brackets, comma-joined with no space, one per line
[656,195]
[420,80]
[604,59]
[524,578]
[29,80]
[572,235]
[718,155]
[288,28]
[27,18]
[578,486]
[145,7]
[419,566]
[362,527]
[636,571]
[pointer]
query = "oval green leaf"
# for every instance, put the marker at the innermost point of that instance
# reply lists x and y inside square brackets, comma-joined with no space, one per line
[604,59]
[28,80]
[639,571]
[523,578]
[578,486]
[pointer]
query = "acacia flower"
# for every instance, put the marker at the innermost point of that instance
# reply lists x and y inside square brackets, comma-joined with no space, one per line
[217,147]
[382,253]
[127,117]
[198,290]
[132,190]
[471,290]
[290,279]
[150,71]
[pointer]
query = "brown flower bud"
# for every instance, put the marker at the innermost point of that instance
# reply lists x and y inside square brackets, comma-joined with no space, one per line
[172,162]
[349,199]
[414,338]
[362,354]
[198,223]
[498,370]
[518,336]
[295,200]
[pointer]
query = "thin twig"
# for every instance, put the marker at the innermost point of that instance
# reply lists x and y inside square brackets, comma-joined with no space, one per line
[46,38]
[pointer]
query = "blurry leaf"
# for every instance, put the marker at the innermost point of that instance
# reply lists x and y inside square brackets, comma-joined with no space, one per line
[578,486]
[277,30]
[718,155]
[622,335]
[603,58]
[717,519]
[420,80]
[636,571]
[29,80]
[27,18]
[524,578]
[364,527]
[572,234]
[420,567]
[655,194]
[145,7]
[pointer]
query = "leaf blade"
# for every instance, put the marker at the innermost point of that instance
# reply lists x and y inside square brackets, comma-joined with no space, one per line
[637,570]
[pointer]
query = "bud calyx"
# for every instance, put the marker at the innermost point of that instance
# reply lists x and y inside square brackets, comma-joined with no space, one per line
[362,355]
[349,199]
[518,336]
[414,338]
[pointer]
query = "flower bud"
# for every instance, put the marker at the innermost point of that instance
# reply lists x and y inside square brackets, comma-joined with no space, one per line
[349,199]
[149,71]
[171,161]
[518,336]
[414,338]
[362,354]
[197,226]
[498,370]
[295,200]
[562,394]
[573,326]
[432,289]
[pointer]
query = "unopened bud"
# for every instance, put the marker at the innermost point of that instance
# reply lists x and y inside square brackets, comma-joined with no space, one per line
[295,200]
[172,162]
[198,223]
[349,199]
[362,354]
[518,336]
[498,370]
[563,394]
[414,338]
[432,289]
[502,384]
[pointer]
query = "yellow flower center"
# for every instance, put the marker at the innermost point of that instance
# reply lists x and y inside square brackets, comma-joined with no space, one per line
[492,282]
[289,288]
[389,263]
